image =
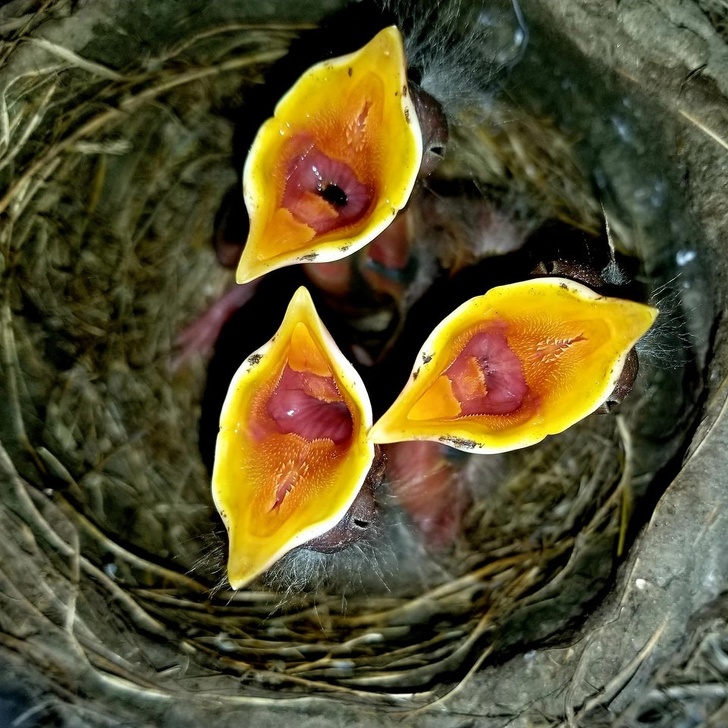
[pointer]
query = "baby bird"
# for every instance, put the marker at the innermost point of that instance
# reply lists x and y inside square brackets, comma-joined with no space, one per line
[501,372]
[293,453]
[330,189]
[520,362]
[333,153]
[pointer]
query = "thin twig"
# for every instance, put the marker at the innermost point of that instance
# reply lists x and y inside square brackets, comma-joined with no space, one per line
[610,691]
[127,105]
[74,59]
[705,129]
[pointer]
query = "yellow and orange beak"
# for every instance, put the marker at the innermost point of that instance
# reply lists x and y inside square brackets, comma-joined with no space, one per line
[339,158]
[519,363]
[292,451]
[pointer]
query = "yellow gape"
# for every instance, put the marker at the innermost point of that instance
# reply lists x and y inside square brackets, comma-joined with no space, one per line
[292,451]
[339,158]
[519,363]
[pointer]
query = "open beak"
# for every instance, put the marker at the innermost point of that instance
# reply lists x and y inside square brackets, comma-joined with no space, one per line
[519,363]
[337,161]
[292,451]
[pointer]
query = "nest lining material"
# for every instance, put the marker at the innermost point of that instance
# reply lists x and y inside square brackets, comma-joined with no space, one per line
[112,180]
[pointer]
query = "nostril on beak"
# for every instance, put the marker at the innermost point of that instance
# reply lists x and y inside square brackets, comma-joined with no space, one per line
[361,523]
[433,125]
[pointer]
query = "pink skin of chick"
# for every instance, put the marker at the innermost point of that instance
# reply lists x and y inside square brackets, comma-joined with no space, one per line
[430,488]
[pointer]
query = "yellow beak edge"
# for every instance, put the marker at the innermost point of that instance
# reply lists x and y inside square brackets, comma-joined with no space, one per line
[292,451]
[337,161]
[519,363]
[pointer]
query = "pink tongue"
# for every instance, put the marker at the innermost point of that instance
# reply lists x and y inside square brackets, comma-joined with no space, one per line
[502,385]
[347,200]
[295,408]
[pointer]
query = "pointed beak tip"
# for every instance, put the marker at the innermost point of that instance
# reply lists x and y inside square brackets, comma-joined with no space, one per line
[381,433]
[305,409]
[440,403]
[242,274]
[246,563]
[236,583]
[374,436]
[294,220]
[239,577]
[247,271]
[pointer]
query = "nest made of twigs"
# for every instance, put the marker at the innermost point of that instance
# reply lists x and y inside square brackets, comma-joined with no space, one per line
[111,180]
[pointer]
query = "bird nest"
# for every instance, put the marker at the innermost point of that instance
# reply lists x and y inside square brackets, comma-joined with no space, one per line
[110,576]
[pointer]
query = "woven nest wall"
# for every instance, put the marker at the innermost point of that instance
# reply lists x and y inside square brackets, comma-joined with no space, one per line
[115,153]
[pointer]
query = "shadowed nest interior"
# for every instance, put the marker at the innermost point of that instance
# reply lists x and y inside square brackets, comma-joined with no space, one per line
[110,179]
